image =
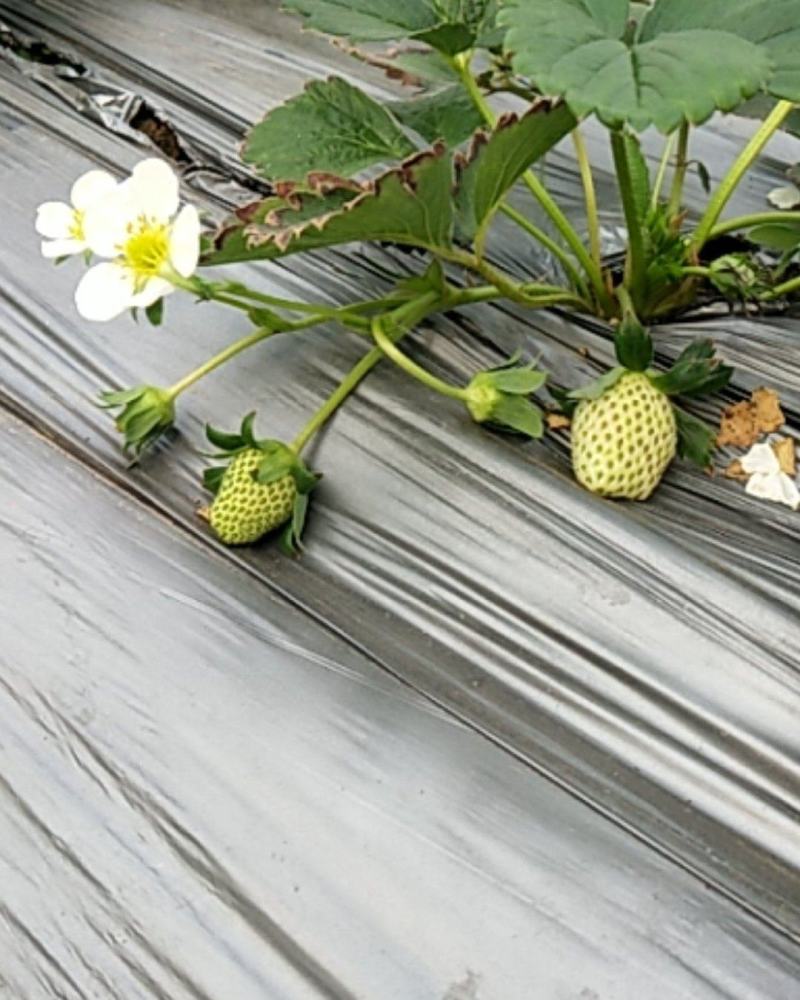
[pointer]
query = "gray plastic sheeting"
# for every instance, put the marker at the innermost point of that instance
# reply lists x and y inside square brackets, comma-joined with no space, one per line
[490,739]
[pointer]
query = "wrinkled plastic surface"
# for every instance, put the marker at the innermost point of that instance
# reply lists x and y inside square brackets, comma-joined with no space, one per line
[491,738]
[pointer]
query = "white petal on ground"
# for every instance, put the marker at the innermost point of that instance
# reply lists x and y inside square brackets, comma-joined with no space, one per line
[106,222]
[153,290]
[91,187]
[785,198]
[184,241]
[54,219]
[761,459]
[153,186]
[774,486]
[62,248]
[105,291]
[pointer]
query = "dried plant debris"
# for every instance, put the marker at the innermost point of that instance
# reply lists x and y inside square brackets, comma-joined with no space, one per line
[557,421]
[786,452]
[744,423]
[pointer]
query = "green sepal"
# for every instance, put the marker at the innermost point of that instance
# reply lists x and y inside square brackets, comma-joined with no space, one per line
[565,402]
[696,440]
[517,413]
[697,372]
[594,390]
[633,345]
[146,412]
[432,279]
[213,476]
[155,312]
[278,461]
[291,537]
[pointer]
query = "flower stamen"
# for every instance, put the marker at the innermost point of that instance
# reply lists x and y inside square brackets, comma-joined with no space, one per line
[146,250]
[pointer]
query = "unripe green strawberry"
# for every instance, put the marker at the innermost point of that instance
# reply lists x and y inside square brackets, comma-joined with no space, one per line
[244,510]
[623,442]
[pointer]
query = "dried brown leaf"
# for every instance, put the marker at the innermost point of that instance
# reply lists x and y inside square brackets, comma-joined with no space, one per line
[785,452]
[744,423]
[735,471]
[557,421]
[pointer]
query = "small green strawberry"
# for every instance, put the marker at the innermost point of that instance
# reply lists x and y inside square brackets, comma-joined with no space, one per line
[245,510]
[264,487]
[625,429]
[623,442]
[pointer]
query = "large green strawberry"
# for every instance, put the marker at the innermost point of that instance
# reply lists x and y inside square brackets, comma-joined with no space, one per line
[264,487]
[623,442]
[626,430]
[245,510]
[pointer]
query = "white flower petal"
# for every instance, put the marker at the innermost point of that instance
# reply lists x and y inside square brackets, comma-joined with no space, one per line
[106,222]
[761,459]
[184,241]
[153,290]
[62,248]
[153,186]
[105,291]
[774,486]
[54,219]
[91,187]
[785,197]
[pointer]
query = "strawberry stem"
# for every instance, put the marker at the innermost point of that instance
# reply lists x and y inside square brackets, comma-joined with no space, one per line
[411,368]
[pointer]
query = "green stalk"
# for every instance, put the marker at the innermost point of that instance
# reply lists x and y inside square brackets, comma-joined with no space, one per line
[658,184]
[749,221]
[636,260]
[734,176]
[236,348]
[785,289]
[549,244]
[411,368]
[400,321]
[461,64]
[590,196]
[681,168]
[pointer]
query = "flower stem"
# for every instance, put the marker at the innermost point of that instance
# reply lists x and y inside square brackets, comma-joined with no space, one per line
[780,291]
[658,184]
[590,196]
[461,64]
[749,221]
[399,322]
[740,167]
[389,348]
[681,168]
[549,244]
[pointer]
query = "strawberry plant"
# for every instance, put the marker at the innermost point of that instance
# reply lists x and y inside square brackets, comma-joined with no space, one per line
[434,173]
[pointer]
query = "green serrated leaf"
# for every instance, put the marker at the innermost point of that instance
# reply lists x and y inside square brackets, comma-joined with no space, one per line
[518,414]
[332,126]
[696,440]
[633,345]
[594,390]
[410,205]
[497,160]
[155,312]
[448,114]
[587,53]
[451,26]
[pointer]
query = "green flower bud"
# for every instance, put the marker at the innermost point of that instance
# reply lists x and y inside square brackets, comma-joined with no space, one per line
[145,413]
[482,398]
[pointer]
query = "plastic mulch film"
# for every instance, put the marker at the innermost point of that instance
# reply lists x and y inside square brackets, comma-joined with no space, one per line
[489,739]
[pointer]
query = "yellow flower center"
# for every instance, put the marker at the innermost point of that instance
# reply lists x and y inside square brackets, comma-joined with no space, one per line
[146,249]
[76,229]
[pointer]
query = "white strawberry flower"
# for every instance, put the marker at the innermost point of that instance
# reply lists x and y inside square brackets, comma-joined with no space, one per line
[62,225]
[149,245]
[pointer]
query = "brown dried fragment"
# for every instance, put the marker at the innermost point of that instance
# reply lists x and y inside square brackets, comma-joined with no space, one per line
[557,421]
[735,471]
[744,423]
[785,452]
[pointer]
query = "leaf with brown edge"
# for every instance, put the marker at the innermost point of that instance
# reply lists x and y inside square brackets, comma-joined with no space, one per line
[496,160]
[411,205]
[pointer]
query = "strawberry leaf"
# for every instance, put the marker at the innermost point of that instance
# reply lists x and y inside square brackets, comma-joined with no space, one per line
[497,160]
[448,114]
[451,26]
[332,126]
[409,205]
[619,60]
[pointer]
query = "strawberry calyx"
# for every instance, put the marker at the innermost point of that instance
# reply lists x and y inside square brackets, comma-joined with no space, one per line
[499,397]
[145,413]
